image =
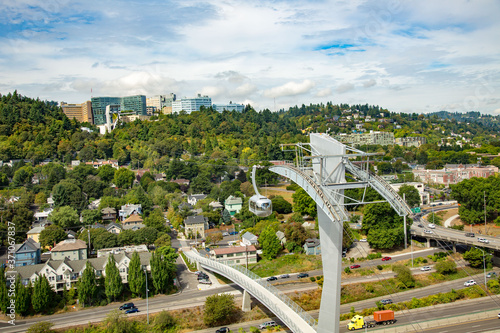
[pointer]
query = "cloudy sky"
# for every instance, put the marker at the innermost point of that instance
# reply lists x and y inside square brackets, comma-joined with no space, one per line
[405,55]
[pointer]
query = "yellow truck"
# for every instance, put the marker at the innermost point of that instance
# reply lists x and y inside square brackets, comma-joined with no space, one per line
[384,317]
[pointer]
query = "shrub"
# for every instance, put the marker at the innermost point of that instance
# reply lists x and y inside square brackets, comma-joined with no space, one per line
[254,329]
[351,259]
[372,256]
[369,288]
[379,267]
[446,267]
[241,330]
[41,327]
[347,270]
[425,261]
[312,278]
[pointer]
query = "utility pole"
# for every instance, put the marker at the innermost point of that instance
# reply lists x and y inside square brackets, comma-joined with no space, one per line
[404,219]
[147,290]
[484,195]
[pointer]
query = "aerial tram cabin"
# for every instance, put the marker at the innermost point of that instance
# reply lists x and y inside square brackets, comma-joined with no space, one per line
[259,204]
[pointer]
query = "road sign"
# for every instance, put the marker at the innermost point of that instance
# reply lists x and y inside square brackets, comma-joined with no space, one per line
[415,210]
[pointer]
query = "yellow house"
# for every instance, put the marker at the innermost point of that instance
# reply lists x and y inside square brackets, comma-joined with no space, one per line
[34,233]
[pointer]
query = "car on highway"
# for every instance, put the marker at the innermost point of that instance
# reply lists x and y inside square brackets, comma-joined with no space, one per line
[425,268]
[386,301]
[284,276]
[499,315]
[491,274]
[302,275]
[427,231]
[127,306]
[432,225]
[267,324]
[355,266]
[223,330]
[420,225]
[386,258]
[469,234]
[272,278]
[133,310]
[469,283]
[483,240]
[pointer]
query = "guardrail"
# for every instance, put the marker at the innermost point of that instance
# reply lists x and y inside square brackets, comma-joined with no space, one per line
[261,290]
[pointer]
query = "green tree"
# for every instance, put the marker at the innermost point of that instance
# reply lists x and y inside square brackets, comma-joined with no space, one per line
[225,217]
[105,240]
[218,309]
[126,237]
[91,216]
[41,298]
[123,178]
[65,217]
[475,257]
[162,271]
[112,281]
[156,220]
[146,235]
[446,267]
[87,286]
[385,238]
[68,193]
[136,277]
[411,195]
[270,243]
[23,175]
[4,298]
[303,203]
[280,205]
[23,298]
[52,235]
[404,277]
[163,240]
[106,173]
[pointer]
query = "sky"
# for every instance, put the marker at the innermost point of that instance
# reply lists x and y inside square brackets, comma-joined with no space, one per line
[404,55]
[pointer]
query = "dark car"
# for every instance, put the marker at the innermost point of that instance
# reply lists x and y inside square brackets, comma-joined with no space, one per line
[233,233]
[272,278]
[355,266]
[386,258]
[469,234]
[203,277]
[223,330]
[302,275]
[420,225]
[133,310]
[386,301]
[207,249]
[127,306]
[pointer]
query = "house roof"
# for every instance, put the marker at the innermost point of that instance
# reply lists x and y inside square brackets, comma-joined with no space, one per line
[249,236]
[112,224]
[196,219]
[30,246]
[133,218]
[69,245]
[233,200]
[35,230]
[108,210]
[136,226]
[216,204]
[280,234]
[197,196]
[238,249]
[312,242]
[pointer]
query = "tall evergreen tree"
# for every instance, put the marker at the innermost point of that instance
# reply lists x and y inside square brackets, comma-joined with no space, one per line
[87,286]
[113,280]
[23,298]
[136,277]
[42,295]
[162,271]
[270,243]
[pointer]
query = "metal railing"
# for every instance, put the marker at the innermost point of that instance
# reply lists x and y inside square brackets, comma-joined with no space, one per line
[253,283]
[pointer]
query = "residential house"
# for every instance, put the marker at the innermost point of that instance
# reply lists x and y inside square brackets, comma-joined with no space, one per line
[34,233]
[133,222]
[73,249]
[122,249]
[43,217]
[114,228]
[64,274]
[185,205]
[108,214]
[27,253]
[70,234]
[194,198]
[312,246]
[159,177]
[128,210]
[281,237]
[235,255]
[233,204]
[215,205]
[195,225]
[249,239]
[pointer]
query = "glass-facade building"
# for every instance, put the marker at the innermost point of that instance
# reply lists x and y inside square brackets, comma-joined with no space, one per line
[191,104]
[134,104]
[229,107]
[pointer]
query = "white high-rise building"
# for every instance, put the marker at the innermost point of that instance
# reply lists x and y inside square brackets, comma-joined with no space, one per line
[191,104]
[161,103]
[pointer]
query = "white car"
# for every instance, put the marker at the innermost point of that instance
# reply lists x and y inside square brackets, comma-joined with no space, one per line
[425,268]
[267,324]
[427,231]
[363,240]
[483,240]
[432,226]
[225,234]
[469,283]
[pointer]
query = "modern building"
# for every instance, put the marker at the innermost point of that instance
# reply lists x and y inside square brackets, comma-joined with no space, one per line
[235,255]
[64,274]
[233,204]
[128,105]
[81,112]
[454,174]
[191,104]
[195,226]
[371,138]
[229,107]
[312,246]
[72,249]
[162,103]
[27,253]
[415,141]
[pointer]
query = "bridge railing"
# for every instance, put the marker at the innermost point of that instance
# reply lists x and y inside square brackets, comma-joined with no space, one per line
[229,271]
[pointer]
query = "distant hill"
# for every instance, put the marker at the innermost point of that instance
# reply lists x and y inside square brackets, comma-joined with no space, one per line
[487,120]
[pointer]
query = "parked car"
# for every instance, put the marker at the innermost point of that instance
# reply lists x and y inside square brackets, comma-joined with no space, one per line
[363,240]
[432,226]
[469,234]
[207,249]
[386,301]
[225,234]
[127,306]
[491,274]
[267,324]
[203,277]
[198,272]
[284,276]
[425,268]
[355,266]
[223,330]
[469,283]
[205,282]
[272,278]
[133,310]
[302,275]
[386,258]
[233,233]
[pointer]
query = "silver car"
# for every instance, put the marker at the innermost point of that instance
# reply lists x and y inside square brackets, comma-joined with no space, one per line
[267,324]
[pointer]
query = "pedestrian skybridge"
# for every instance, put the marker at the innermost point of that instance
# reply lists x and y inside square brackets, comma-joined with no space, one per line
[292,315]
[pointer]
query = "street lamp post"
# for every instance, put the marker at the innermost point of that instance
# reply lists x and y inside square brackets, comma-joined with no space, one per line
[147,290]
[484,267]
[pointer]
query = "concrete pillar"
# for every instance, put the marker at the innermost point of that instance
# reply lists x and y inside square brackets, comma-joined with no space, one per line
[454,247]
[198,266]
[246,304]
[428,242]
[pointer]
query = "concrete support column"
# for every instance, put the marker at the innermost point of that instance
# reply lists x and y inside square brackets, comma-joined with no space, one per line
[246,304]
[198,266]
[428,242]
[331,248]
[454,247]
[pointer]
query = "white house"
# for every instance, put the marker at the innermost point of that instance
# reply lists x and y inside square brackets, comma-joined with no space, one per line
[249,239]
[194,198]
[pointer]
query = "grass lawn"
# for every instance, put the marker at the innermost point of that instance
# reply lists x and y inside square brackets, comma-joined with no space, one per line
[286,264]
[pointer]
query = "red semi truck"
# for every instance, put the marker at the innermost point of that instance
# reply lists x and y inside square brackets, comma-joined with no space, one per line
[384,317]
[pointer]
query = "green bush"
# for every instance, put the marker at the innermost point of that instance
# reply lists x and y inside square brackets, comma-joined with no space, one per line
[369,288]
[425,261]
[372,256]
[347,270]
[312,278]
[379,267]
[254,329]
[41,327]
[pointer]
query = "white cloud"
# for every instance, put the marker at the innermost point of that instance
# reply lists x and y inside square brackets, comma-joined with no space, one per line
[369,83]
[290,89]
[324,92]
[244,90]
[213,91]
[345,87]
